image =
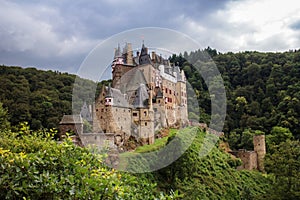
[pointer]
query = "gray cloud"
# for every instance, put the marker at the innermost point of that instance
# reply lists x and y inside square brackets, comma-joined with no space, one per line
[59,34]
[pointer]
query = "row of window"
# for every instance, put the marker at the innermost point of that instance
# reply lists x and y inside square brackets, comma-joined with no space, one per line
[183,94]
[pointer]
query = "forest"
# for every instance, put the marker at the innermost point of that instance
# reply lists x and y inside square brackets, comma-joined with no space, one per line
[263,94]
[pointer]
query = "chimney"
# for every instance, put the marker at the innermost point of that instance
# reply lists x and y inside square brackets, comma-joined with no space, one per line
[129,54]
[153,56]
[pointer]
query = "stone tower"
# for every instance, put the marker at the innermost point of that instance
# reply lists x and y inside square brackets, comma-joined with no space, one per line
[260,148]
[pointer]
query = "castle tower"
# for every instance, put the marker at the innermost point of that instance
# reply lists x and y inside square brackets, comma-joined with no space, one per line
[128,53]
[109,98]
[260,148]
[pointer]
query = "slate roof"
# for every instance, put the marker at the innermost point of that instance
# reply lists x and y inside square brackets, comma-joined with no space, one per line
[71,119]
[141,96]
[131,80]
[119,99]
[159,94]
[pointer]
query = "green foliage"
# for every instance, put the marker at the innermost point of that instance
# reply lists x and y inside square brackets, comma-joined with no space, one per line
[4,123]
[284,164]
[199,176]
[158,143]
[42,97]
[262,89]
[87,127]
[278,134]
[243,140]
[34,166]
[213,176]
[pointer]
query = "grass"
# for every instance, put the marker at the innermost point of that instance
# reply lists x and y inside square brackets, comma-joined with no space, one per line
[158,143]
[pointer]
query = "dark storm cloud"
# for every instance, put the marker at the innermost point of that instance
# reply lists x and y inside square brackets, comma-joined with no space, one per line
[59,34]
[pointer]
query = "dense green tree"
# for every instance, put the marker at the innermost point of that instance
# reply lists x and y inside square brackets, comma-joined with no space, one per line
[284,164]
[4,123]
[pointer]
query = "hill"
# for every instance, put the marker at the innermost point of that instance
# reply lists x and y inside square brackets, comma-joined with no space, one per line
[262,89]
[39,97]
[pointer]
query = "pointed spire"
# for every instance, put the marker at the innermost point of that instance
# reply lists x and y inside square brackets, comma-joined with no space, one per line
[118,51]
[109,92]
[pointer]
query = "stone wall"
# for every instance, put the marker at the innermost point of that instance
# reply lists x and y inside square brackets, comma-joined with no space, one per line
[260,148]
[98,140]
[249,159]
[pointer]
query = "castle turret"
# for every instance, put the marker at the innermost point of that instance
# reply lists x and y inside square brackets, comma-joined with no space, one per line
[260,149]
[109,98]
[144,57]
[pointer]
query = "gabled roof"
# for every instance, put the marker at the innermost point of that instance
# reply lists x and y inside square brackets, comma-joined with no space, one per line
[141,96]
[119,99]
[159,94]
[131,80]
[71,119]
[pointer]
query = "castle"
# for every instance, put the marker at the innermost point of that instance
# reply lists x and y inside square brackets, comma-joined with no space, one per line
[147,93]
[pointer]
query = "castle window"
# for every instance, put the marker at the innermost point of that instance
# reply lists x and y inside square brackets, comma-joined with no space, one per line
[124,110]
[102,110]
[101,117]
[145,113]
[158,101]
[97,110]
[128,110]
[145,123]
[134,114]
[109,100]
[170,91]
[166,90]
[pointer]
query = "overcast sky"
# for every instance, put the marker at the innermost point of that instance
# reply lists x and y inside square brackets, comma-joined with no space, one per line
[58,34]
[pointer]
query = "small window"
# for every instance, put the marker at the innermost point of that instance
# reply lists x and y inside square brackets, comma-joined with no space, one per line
[134,114]
[102,110]
[145,113]
[145,123]
[97,110]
